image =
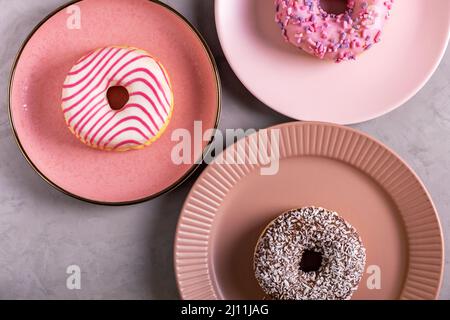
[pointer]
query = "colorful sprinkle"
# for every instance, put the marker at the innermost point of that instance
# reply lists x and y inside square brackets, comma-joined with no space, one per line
[338,37]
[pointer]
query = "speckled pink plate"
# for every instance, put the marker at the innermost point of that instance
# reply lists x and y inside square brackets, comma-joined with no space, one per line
[305,88]
[35,97]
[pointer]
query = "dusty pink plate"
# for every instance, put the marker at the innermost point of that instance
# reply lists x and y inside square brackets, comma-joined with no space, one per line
[320,165]
[306,88]
[35,98]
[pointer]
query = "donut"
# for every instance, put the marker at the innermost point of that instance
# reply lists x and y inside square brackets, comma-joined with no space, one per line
[338,37]
[147,105]
[309,254]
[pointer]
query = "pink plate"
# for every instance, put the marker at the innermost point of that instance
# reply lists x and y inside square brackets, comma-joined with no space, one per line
[305,88]
[35,98]
[323,165]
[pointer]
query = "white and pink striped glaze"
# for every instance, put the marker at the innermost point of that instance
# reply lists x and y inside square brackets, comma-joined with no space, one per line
[144,117]
[340,37]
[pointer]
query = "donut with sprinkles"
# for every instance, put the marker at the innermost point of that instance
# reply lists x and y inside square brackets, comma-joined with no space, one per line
[339,37]
[309,254]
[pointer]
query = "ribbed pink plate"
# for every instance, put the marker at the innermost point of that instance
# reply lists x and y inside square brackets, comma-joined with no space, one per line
[305,88]
[320,165]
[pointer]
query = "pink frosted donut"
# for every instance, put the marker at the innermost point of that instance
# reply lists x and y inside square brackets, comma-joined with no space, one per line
[147,107]
[306,25]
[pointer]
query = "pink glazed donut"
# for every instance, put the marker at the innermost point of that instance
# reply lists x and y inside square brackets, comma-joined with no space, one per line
[147,107]
[338,37]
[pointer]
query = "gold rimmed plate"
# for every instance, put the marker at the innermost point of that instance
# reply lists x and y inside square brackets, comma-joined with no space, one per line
[35,97]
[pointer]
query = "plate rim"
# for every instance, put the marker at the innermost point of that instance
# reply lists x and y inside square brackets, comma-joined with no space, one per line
[356,120]
[213,287]
[168,189]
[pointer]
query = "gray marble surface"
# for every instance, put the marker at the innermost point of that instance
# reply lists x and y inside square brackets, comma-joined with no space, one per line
[126,253]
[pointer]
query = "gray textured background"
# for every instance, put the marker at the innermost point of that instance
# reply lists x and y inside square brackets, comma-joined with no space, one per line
[126,252]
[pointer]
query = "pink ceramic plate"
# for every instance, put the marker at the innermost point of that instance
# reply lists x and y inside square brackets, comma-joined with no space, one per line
[320,165]
[35,98]
[305,88]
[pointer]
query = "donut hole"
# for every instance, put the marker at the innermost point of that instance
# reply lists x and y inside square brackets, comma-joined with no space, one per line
[118,97]
[311,261]
[335,7]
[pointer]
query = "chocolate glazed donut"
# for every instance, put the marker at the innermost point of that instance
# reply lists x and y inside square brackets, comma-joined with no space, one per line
[309,254]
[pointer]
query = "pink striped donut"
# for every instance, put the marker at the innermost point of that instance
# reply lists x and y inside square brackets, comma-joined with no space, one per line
[339,37]
[140,122]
